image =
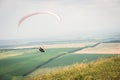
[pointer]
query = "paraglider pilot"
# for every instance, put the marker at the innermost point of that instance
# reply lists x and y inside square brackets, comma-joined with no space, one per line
[41,49]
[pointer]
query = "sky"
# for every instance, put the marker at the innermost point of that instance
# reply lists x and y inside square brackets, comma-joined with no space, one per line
[79,18]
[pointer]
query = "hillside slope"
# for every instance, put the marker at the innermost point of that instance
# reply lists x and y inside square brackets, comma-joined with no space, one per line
[104,69]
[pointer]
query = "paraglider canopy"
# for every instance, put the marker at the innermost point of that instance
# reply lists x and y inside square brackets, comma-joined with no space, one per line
[41,49]
[36,13]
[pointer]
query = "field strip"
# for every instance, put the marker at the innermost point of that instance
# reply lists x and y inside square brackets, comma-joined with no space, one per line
[3,55]
[90,46]
[103,48]
[43,64]
[51,59]
[69,45]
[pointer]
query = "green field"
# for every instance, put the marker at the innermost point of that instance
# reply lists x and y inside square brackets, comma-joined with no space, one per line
[32,59]
[70,59]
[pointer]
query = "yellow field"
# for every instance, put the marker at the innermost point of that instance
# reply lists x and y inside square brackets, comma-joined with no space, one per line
[70,45]
[6,55]
[107,48]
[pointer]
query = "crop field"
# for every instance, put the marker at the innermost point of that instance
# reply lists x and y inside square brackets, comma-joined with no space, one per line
[22,62]
[29,59]
[103,48]
[70,59]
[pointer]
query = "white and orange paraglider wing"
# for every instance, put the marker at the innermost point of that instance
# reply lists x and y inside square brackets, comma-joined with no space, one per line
[25,17]
[36,13]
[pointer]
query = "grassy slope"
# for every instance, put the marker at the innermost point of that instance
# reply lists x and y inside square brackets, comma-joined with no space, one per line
[104,69]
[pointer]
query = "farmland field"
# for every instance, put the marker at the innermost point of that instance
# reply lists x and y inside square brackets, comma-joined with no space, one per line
[103,48]
[70,59]
[30,58]
[22,62]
